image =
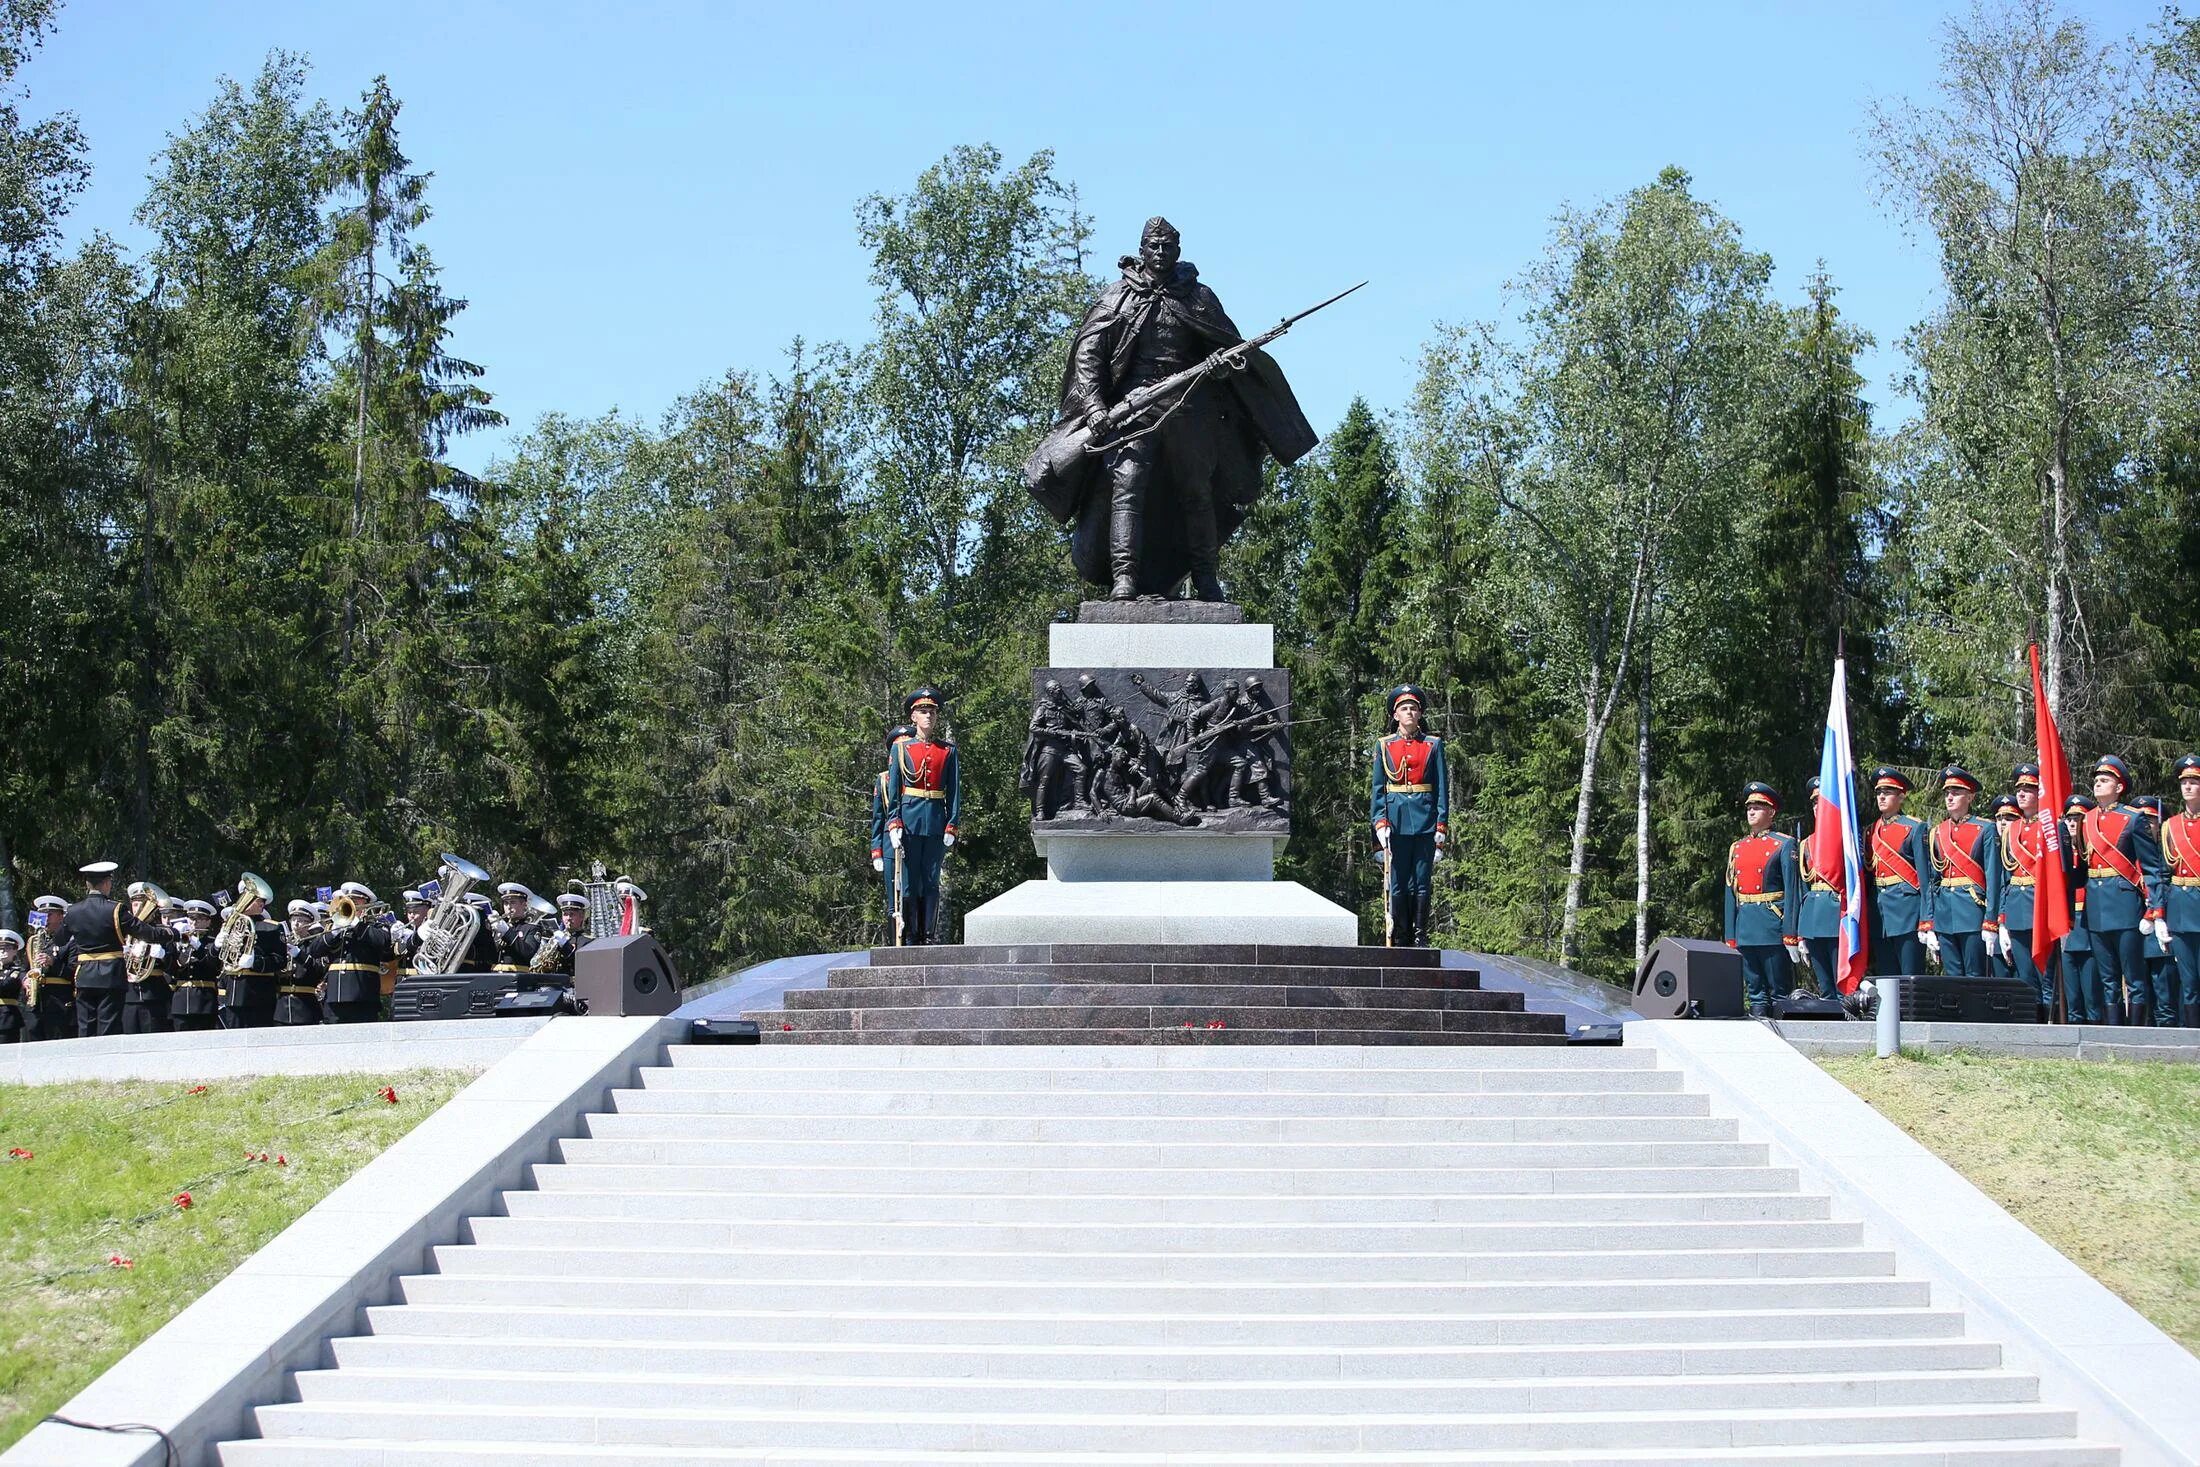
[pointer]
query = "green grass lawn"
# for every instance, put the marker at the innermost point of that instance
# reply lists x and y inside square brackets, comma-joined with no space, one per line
[2100,1159]
[106,1162]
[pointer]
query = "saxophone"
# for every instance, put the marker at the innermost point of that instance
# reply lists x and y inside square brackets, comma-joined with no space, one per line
[35,953]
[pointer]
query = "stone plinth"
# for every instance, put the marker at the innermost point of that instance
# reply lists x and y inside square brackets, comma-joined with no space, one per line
[1176,856]
[1152,611]
[1115,644]
[1162,911]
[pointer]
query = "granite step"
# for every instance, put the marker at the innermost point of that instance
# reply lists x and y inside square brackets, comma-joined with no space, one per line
[1314,1066]
[1169,1181]
[788,1101]
[1285,955]
[1065,1020]
[921,975]
[1291,1154]
[1189,1035]
[1039,1125]
[1557,1362]
[1047,994]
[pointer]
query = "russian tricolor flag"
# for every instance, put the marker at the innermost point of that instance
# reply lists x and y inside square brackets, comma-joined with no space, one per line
[1836,839]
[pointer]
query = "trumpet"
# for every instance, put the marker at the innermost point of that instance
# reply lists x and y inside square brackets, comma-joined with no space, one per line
[344,909]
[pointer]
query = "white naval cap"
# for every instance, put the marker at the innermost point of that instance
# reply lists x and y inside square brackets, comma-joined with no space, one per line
[573,899]
[97,868]
[298,907]
[9,934]
[360,890]
[512,888]
[49,904]
[628,888]
[198,908]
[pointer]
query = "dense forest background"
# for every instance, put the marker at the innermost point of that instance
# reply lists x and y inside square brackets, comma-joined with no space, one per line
[252,617]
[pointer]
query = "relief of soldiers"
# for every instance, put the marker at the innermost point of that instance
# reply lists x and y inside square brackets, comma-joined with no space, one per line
[1123,788]
[1053,752]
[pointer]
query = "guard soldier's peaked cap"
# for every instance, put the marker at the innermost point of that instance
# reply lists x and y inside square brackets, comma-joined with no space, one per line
[2110,764]
[2151,803]
[2027,776]
[97,868]
[1812,787]
[922,696]
[899,732]
[1956,777]
[2005,805]
[49,904]
[572,899]
[1757,792]
[1887,777]
[2188,767]
[2080,800]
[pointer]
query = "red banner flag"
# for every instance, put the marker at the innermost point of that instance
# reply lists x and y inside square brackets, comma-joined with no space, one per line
[2051,897]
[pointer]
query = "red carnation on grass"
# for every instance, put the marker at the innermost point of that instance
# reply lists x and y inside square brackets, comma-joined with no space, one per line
[17,1153]
[182,1201]
[117,1260]
[280,1159]
[389,1093]
[196,1090]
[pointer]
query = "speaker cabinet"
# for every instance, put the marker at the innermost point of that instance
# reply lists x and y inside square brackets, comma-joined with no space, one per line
[1937,998]
[624,976]
[1686,977]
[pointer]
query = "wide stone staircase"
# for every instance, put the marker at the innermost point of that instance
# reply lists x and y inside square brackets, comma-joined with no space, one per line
[894,1255]
[1100,993]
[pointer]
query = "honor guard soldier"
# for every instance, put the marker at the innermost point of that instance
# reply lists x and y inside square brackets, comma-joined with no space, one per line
[2023,849]
[2154,936]
[2181,896]
[1764,899]
[2122,891]
[2081,977]
[1409,804]
[198,971]
[923,799]
[1819,924]
[14,976]
[93,934]
[1966,856]
[52,1006]
[894,736]
[2002,813]
[255,957]
[1901,875]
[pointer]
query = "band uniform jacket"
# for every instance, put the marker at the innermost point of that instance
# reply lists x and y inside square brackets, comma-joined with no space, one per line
[2181,870]
[923,788]
[355,957]
[2021,855]
[1764,890]
[1901,875]
[2124,877]
[12,1010]
[1967,876]
[92,936]
[251,985]
[1408,789]
[516,943]
[197,971]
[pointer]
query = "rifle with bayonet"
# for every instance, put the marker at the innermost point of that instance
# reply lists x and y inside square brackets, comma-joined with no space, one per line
[1051,471]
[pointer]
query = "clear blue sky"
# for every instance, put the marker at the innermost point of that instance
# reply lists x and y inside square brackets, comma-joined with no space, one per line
[637,197]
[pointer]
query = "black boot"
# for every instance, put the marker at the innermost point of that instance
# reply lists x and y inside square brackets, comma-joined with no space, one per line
[1124,526]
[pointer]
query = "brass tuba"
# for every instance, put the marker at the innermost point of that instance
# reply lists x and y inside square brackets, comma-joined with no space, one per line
[139,957]
[450,929]
[235,941]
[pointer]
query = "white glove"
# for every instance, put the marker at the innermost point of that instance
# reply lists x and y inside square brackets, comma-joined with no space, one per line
[878,863]
[1436,856]
[947,841]
[893,837]
[1931,940]
[2161,932]
[1382,836]
[1799,953]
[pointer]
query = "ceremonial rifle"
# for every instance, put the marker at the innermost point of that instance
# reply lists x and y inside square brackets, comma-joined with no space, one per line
[1051,471]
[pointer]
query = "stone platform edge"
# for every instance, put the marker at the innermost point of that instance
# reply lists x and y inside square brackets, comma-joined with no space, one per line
[198,1377]
[305,1049]
[2021,1041]
[2130,1383]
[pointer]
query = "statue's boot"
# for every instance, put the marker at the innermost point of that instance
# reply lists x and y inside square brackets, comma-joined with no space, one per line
[1200,542]
[1123,536]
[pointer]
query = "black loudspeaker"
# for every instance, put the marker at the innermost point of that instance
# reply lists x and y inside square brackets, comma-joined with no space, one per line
[450,996]
[1936,998]
[626,976]
[1687,978]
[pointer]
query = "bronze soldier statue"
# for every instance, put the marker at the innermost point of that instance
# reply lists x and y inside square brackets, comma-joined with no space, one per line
[1167,415]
